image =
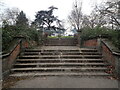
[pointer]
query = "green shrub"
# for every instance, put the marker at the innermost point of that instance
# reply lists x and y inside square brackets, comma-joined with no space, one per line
[113,35]
[9,32]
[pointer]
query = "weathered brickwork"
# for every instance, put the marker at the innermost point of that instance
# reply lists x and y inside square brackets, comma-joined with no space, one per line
[9,60]
[108,55]
[25,44]
[61,41]
[90,43]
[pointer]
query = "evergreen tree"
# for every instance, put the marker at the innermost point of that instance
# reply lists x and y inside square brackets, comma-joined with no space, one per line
[22,21]
[45,18]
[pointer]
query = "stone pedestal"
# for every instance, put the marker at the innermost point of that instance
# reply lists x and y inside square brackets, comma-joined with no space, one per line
[99,44]
[79,38]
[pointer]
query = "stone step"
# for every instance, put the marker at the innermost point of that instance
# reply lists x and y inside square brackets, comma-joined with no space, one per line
[61,68]
[73,50]
[59,60]
[60,56]
[60,64]
[61,74]
[63,53]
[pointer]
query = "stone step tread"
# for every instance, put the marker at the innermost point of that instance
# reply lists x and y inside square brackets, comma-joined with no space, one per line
[62,50]
[60,59]
[78,52]
[63,63]
[63,68]
[61,56]
[61,73]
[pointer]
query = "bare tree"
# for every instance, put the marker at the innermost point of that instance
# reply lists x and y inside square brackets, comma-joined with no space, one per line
[75,18]
[89,21]
[9,15]
[111,10]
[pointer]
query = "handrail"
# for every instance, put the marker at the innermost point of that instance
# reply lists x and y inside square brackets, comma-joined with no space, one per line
[113,52]
[9,53]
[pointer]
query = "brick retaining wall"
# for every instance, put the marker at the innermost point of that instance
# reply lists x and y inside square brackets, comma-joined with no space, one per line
[9,59]
[112,57]
[90,43]
[108,55]
[61,41]
[107,52]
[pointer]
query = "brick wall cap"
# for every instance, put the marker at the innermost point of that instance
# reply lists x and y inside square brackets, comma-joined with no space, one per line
[111,47]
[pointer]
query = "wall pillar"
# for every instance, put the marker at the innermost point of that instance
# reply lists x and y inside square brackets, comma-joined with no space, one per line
[99,44]
[23,43]
[79,38]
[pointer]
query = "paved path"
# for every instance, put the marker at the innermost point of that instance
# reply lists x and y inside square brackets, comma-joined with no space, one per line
[66,82]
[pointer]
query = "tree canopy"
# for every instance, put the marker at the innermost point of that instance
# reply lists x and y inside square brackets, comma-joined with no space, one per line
[46,19]
[22,21]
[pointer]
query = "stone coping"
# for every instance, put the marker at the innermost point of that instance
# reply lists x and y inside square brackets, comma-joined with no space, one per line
[111,47]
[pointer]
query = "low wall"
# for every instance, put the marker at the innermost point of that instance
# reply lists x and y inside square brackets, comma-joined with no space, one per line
[9,59]
[61,41]
[111,56]
[108,54]
[93,43]
[25,44]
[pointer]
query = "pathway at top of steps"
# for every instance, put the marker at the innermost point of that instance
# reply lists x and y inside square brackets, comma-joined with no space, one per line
[61,48]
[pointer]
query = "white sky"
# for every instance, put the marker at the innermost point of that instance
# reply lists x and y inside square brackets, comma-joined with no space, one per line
[30,7]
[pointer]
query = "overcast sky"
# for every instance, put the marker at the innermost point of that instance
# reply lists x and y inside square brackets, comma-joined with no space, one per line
[30,7]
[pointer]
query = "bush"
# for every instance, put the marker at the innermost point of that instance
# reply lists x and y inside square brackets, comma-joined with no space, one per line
[88,33]
[113,35]
[9,32]
[116,38]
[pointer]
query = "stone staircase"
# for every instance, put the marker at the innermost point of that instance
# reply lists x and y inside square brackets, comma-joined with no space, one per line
[60,62]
